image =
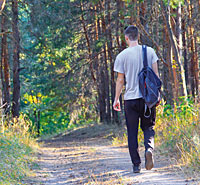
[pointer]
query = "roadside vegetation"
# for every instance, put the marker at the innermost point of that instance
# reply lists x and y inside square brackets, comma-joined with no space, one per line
[16,150]
[177,134]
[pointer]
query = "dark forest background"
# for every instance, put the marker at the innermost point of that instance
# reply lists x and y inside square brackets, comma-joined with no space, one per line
[57,56]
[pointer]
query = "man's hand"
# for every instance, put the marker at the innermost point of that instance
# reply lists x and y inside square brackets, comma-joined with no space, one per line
[116,105]
[158,103]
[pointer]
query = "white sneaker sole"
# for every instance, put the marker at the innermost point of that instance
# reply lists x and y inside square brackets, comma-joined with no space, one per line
[149,160]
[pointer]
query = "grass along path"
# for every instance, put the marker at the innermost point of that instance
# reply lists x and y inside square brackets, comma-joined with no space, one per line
[87,156]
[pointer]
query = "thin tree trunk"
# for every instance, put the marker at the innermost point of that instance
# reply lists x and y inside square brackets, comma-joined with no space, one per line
[179,30]
[88,43]
[185,51]
[97,66]
[96,23]
[175,48]
[132,12]
[194,59]
[196,68]
[168,78]
[16,64]
[5,76]
[174,68]
[143,12]
[2,5]
[179,37]
[101,75]
[102,90]
[118,24]
[107,89]
[2,59]
[2,76]
[122,8]
[110,55]
[107,80]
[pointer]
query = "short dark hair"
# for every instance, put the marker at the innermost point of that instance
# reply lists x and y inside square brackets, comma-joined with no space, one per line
[131,32]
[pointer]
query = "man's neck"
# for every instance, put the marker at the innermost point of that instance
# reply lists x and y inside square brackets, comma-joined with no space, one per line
[133,43]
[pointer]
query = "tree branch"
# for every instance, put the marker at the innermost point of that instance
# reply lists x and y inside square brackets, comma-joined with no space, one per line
[154,43]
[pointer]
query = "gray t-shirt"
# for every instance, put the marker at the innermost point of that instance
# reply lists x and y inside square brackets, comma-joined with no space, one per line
[130,63]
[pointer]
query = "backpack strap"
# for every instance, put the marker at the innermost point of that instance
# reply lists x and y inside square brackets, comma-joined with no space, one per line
[145,111]
[145,63]
[144,50]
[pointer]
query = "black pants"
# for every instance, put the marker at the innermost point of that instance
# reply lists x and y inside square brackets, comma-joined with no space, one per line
[134,110]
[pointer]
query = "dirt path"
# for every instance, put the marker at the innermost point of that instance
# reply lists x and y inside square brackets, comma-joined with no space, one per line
[87,156]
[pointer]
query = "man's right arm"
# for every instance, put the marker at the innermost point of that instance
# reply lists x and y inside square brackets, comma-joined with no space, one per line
[119,87]
[119,68]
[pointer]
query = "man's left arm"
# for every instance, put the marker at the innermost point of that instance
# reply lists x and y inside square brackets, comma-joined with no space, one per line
[154,61]
[155,68]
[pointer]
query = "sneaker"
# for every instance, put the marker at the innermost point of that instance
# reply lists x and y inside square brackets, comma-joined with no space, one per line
[136,168]
[148,160]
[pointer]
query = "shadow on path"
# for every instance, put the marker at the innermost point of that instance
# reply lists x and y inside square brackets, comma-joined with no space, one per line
[86,156]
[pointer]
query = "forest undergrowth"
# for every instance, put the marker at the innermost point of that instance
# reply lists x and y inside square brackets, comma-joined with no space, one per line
[17,149]
[177,134]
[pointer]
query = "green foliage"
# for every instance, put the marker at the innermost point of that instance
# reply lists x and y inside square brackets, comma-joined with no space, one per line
[16,148]
[54,56]
[99,44]
[40,110]
[174,3]
[178,131]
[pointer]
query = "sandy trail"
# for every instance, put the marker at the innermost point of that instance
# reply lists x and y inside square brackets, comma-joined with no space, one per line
[87,156]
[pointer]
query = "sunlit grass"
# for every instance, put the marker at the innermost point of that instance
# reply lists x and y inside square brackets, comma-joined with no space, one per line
[177,132]
[16,149]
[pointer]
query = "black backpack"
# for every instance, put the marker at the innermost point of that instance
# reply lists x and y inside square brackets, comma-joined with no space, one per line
[149,84]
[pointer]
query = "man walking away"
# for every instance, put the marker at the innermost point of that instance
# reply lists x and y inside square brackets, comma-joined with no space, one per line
[128,64]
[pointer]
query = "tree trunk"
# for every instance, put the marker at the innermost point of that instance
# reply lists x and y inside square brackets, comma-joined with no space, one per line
[179,39]
[101,77]
[175,47]
[102,90]
[110,55]
[185,51]
[2,5]
[88,43]
[179,30]
[194,67]
[144,39]
[97,66]
[122,8]
[107,80]
[16,81]
[5,75]
[168,75]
